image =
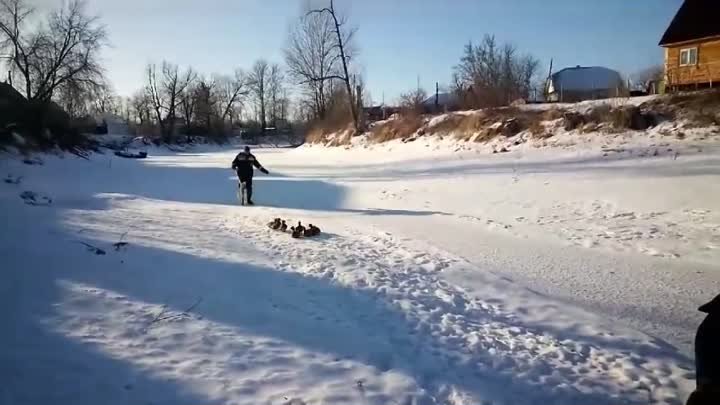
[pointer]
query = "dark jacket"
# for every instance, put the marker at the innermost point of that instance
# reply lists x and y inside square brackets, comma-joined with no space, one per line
[707,345]
[244,163]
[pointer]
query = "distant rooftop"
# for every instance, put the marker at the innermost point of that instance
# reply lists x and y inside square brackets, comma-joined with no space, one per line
[586,78]
[443,99]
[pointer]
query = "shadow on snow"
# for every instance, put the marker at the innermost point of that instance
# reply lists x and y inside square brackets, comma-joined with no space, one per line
[261,301]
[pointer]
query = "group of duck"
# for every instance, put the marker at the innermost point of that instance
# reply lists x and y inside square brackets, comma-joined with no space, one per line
[297,232]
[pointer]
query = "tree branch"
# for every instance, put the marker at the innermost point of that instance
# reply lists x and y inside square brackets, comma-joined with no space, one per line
[319,11]
[322,79]
[162,317]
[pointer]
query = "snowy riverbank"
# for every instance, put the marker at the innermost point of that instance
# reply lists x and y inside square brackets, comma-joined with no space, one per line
[555,276]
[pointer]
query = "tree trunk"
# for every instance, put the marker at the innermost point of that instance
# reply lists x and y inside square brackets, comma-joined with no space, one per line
[263,121]
[348,86]
[160,122]
[273,116]
[28,89]
[171,118]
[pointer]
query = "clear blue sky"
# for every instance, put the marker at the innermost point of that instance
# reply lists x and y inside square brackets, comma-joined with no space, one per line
[398,39]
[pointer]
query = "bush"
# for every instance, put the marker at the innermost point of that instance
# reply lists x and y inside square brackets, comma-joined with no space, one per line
[573,120]
[631,117]
[600,114]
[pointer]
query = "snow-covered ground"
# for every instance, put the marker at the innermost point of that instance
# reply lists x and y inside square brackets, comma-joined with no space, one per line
[585,106]
[443,276]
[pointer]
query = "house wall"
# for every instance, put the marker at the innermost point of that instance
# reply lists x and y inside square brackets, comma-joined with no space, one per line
[707,70]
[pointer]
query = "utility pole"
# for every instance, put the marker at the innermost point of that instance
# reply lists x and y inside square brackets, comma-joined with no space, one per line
[548,82]
[383,106]
[360,109]
[437,96]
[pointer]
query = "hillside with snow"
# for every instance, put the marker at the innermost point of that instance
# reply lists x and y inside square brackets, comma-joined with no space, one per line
[445,274]
[612,124]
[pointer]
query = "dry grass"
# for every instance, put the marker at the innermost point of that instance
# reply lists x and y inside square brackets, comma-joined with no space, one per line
[536,128]
[320,130]
[701,109]
[702,119]
[697,100]
[477,126]
[315,135]
[552,114]
[619,118]
[449,125]
[600,114]
[462,126]
[402,127]
[623,118]
[590,127]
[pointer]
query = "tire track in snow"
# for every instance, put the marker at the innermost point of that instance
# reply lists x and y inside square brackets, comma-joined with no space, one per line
[459,349]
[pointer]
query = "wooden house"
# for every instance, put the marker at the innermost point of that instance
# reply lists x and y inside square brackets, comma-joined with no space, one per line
[692,46]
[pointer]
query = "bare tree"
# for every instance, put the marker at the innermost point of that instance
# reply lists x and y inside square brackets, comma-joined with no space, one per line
[141,106]
[187,104]
[493,75]
[412,101]
[155,95]
[275,93]
[46,56]
[80,98]
[527,76]
[140,114]
[284,105]
[103,97]
[230,91]
[311,58]
[126,111]
[165,93]
[174,84]
[205,102]
[73,98]
[259,78]
[644,78]
[342,38]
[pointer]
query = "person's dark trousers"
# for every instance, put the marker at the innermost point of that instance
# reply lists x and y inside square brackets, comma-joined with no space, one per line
[707,356]
[248,187]
[704,395]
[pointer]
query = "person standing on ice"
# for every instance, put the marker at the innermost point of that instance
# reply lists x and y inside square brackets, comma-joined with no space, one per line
[244,165]
[707,356]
